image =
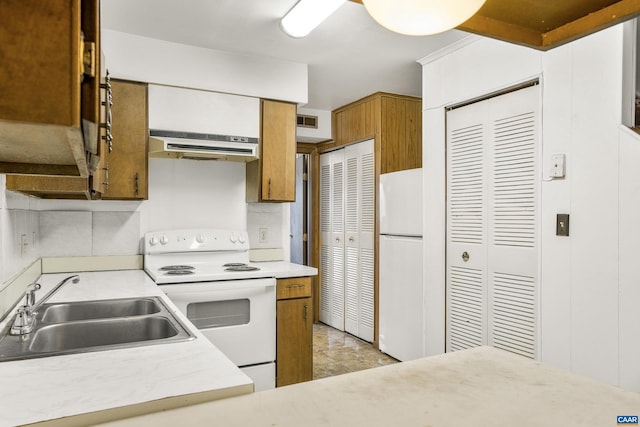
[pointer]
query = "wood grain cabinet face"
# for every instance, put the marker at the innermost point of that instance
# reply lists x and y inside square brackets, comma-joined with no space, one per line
[271,178]
[294,329]
[127,163]
[47,95]
[395,121]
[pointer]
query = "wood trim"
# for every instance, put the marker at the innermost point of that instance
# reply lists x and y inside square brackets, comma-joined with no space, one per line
[46,186]
[552,26]
[314,223]
[487,26]
[591,23]
[39,169]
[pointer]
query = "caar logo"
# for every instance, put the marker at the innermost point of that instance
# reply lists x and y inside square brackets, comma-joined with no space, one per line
[627,419]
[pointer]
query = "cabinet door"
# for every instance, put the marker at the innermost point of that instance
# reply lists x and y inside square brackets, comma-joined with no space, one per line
[294,358]
[278,151]
[127,162]
[332,245]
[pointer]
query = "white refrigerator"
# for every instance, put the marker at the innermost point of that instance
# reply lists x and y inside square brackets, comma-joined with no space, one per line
[401,307]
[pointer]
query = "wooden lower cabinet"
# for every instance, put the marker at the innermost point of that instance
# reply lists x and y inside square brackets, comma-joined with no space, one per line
[294,348]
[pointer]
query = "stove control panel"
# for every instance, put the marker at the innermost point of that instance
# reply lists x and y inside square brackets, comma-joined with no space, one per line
[195,240]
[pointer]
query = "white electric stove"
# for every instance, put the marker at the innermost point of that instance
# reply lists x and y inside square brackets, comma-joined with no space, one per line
[206,273]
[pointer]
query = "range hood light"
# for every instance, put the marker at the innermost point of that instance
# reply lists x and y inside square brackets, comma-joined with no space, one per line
[421,17]
[307,15]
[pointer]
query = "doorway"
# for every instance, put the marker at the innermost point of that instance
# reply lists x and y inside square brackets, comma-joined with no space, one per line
[300,213]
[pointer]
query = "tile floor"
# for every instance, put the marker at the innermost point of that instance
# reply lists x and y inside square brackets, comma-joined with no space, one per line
[336,353]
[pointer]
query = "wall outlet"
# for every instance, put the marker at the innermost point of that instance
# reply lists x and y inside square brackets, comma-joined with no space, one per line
[24,244]
[263,235]
[558,166]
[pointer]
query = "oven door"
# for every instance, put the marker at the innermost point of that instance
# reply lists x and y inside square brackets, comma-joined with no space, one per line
[237,316]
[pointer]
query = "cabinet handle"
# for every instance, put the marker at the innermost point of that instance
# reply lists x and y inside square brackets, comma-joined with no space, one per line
[106,177]
[269,190]
[305,311]
[351,239]
[297,285]
[108,104]
[137,184]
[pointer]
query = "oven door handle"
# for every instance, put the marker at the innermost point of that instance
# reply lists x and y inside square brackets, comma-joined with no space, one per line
[193,294]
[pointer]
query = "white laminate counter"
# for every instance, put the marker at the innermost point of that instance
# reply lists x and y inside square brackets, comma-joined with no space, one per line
[284,269]
[131,380]
[477,387]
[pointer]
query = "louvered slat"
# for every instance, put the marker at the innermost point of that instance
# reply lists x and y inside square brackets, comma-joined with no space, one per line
[325,283]
[325,198]
[337,288]
[466,185]
[466,310]
[367,203]
[351,202]
[514,313]
[351,289]
[337,205]
[366,292]
[514,186]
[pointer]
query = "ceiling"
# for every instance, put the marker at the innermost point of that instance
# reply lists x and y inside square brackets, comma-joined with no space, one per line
[350,56]
[544,24]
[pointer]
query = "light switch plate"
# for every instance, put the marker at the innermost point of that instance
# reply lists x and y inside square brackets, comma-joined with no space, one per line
[562,224]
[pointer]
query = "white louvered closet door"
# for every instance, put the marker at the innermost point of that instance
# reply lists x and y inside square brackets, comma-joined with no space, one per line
[332,248]
[347,226]
[359,234]
[492,261]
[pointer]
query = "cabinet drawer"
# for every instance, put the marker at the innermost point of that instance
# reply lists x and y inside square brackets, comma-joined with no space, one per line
[297,287]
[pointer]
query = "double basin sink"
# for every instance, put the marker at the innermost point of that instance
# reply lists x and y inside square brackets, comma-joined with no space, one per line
[77,327]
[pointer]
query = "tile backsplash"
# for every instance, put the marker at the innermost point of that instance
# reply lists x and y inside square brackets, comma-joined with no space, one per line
[83,233]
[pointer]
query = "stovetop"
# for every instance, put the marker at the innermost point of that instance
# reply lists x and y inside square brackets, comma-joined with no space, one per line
[203,271]
[198,255]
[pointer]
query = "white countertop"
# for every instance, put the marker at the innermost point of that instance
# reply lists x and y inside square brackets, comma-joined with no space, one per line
[284,269]
[60,386]
[477,387]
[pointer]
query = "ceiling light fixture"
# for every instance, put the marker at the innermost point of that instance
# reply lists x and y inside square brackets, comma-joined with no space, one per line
[307,15]
[421,17]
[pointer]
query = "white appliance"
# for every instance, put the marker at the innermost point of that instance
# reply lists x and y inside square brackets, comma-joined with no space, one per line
[401,308]
[207,275]
[192,145]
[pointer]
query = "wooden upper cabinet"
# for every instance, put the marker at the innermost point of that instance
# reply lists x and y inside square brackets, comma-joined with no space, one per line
[48,95]
[125,166]
[271,178]
[394,121]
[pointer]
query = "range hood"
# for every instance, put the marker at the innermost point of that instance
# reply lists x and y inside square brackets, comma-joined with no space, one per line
[201,146]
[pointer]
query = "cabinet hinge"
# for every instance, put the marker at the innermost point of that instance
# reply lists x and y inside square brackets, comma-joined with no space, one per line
[89,59]
[305,237]
[305,176]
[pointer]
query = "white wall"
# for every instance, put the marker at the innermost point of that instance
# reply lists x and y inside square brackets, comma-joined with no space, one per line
[17,219]
[149,60]
[588,281]
[322,133]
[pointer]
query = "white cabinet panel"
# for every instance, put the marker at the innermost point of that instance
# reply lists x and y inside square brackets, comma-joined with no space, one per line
[200,111]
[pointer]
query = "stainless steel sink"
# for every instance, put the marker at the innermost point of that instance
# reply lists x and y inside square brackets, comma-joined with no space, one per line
[97,333]
[100,309]
[86,326]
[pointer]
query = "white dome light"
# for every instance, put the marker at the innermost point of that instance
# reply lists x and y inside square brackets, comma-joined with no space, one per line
[421,17]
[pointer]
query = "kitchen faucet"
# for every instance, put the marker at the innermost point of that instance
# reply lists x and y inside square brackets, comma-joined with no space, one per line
[26,315]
